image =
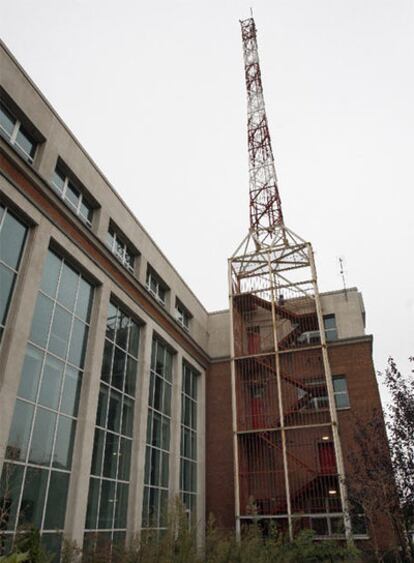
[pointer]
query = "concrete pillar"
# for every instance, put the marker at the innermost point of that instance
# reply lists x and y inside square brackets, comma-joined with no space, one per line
[136,486]
[83,447]
[18,326]
[174,484]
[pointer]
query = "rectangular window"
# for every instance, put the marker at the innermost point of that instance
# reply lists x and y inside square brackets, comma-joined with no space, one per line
[182,315]
[314,395]
[156,286]
[12,238]
[340,391]
[329,323]
[12,129]
[40,444]
[72,195]
[120,248]
[111,459]
[188,450]
[156,480]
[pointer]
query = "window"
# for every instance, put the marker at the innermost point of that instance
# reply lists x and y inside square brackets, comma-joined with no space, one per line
[329,323]
[340,391]
[40,444]
[188,459]
[72,196]
[111,459]
[156,286]
[12,238]
[182,315]
[156,480]
[314,396]
[12,129]
[120,248]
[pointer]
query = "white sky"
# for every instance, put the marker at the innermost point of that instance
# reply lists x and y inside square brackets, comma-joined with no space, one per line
[155,93]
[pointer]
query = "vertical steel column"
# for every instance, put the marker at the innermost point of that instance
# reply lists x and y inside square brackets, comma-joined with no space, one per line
[273,285]
[234,408]
[331,399]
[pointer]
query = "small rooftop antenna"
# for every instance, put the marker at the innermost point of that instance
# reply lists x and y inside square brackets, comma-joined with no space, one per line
[342,273]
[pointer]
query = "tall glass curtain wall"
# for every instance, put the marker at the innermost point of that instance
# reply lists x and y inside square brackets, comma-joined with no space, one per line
[155,503]
[106,518]
[35,477]
[12,237]
[188,459]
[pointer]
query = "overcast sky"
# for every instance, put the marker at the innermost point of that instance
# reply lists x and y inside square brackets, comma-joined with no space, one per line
[155,92]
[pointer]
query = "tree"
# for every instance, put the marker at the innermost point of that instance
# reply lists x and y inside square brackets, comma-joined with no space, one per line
[382,480]
[400,427]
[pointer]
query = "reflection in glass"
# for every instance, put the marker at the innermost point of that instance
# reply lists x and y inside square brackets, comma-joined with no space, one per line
[42,438]
[20,431]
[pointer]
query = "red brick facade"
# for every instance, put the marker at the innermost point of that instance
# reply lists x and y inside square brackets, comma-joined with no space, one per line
[352,358]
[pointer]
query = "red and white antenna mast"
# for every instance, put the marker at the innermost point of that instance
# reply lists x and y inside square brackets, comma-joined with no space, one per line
[265,205]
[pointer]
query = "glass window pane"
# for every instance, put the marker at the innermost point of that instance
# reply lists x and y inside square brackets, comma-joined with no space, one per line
[107,504]
[124,459]
[164,469]
[10,487]
[52,544]
[97,455]
[159,366]
[131,373]
[71,391]
[59,334]
[7,121]
[30,374]
[133,339]
[167,399]
[118,370]
[6,286]
[68,287]
[111,322]
[51,273]
[121,506]
[31,508]
[114,411]
[107,361]
[58,181]
[110,465]
[24,142]
[339,383]
[84,302]
[122,332]
[329,321]
[127,416]
[78,341]
[51,382]
[341,400]
[41,320]
[101,412]
[165,444]
[62,457]
[93,498]
[56,501]
[12,237]
[72,195]
[158,387]
[20,431]
[42,438]
[85,210]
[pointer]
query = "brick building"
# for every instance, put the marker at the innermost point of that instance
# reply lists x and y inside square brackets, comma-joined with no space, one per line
[115,381]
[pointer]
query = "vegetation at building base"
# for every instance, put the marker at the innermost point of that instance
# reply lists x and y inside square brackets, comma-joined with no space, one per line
[382,480]
[178,544]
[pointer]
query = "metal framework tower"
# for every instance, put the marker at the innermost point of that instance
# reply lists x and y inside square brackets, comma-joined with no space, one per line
[288,460]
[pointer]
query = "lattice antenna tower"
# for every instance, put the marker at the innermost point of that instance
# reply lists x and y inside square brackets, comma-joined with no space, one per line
[265,205]
[288,464]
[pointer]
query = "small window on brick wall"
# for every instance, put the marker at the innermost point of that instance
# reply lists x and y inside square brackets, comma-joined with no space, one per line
[119,246]
[72,194]
[182,315]
[12,129]
[156,286]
